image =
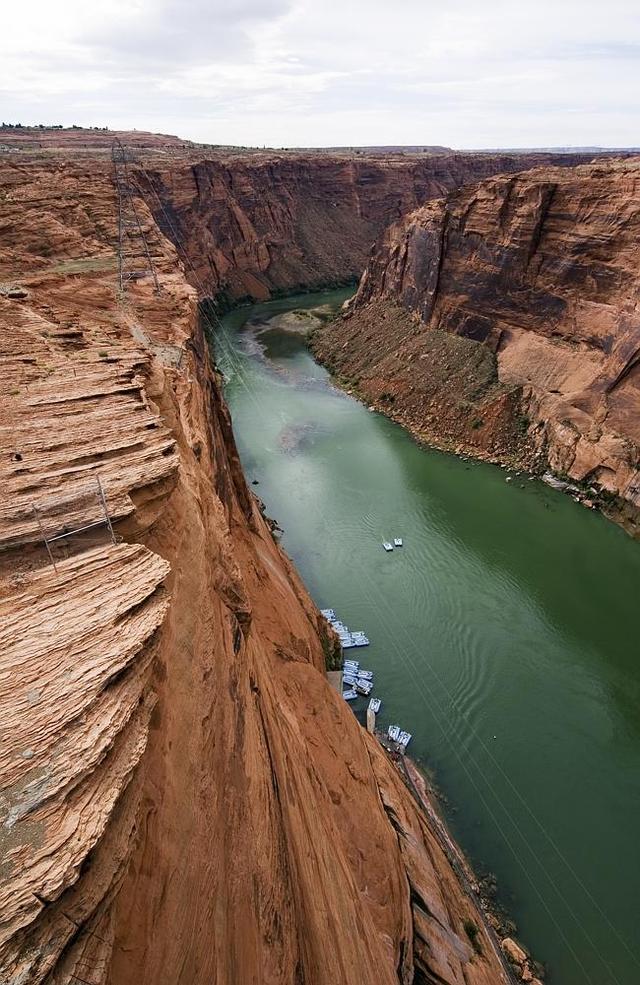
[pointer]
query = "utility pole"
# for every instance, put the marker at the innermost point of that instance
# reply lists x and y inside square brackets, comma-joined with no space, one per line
[132,242]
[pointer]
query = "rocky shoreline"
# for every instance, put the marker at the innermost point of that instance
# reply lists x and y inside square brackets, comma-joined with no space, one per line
[498,925]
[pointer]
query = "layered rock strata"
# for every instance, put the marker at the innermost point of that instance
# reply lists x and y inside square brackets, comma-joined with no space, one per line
[252,226]
[183,797]
[504,319]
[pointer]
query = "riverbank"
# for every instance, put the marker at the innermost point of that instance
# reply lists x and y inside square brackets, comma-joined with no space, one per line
[461,410]
[499,929]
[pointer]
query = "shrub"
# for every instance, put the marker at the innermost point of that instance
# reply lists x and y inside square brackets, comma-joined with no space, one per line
[473,933]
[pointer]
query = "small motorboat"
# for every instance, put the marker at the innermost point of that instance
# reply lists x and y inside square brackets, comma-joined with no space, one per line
[397,541]
[367,674]
[404,739]
[350,665]
[375,705]
[387,546]
[364,687]
[350,695]
[393,732]
[349,679]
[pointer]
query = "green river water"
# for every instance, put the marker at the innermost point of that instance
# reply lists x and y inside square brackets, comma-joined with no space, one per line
[503,636]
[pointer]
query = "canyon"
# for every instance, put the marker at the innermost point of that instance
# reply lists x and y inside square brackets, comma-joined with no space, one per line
[184,798]
[503,321]
[269,223]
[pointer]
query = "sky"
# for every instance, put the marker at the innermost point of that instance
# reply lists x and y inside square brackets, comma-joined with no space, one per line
[284,73]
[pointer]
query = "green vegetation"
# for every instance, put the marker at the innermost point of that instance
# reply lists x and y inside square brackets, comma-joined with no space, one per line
[45,126]
[332,656]
[472,931]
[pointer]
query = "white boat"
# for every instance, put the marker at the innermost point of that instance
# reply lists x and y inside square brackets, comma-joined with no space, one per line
[351,665]
[404,739]
[397,541]
[349,679]
[350,695]
[393,732]
[387,546]
[347,644]
[367,674]
[364,687]
[375,705]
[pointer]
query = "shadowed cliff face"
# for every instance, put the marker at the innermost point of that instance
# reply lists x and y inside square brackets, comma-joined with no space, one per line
[505,319]
[269,222]
[183,798]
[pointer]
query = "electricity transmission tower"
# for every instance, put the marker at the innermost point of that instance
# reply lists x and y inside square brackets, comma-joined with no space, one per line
[132,242]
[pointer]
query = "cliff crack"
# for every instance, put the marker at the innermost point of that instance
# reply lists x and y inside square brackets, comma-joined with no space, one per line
[546,198]
[444,230]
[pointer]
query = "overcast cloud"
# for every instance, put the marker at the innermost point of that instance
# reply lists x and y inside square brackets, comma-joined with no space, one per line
[463,73]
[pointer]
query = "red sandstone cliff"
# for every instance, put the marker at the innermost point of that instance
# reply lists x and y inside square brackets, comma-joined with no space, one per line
[505,319]
[252,225]
[183,798]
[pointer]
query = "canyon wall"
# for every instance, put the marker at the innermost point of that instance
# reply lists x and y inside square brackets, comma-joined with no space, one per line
[504,320]
[271,222]
[183,797]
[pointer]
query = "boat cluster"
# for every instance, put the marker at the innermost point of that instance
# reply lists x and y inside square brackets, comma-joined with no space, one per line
[388,546]
[348,638]
[357,681]
[396,734]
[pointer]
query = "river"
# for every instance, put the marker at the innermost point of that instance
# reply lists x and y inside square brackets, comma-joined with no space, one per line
[504,637]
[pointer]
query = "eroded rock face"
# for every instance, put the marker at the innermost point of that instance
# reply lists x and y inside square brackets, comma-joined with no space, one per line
[183,798]
[268,222]
[538,272]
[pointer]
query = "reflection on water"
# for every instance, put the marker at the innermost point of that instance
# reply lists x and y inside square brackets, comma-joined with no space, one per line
[504,637]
